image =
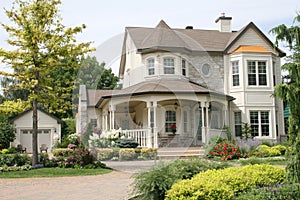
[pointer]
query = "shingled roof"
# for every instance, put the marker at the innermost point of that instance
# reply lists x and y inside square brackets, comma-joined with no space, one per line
[162,86]
[192,40]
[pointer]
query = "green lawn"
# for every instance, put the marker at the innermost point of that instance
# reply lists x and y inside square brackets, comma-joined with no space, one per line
[53,172]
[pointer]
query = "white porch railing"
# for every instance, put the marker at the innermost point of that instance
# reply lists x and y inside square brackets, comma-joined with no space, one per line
[142,136]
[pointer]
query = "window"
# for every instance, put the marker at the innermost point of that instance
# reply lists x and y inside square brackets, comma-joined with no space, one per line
[235,73]
[169,66]
[238,124]
[257,73]
[259,123]
[170,120]
[205,69]
[185,121]
[183,67]
[94,123]
[150,66]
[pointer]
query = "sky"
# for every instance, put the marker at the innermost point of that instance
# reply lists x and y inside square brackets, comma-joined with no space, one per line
[106,20]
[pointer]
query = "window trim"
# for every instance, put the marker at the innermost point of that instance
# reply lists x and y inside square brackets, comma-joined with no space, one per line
[237,124]
[168,123]
[235,72]
[184,67]
[257,73]
[150,67]
[167,67]
[260,124]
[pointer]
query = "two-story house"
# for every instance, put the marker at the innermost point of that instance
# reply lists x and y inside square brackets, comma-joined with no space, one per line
[183,86]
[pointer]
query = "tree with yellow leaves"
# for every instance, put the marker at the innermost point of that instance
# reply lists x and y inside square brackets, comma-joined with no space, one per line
[41,46]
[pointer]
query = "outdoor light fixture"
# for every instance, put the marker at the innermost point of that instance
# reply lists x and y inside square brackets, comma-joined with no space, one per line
[176,105]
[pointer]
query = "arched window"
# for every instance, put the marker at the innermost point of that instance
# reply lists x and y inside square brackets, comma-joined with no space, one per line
[150,66]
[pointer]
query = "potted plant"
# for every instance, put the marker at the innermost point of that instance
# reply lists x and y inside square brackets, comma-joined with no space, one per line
[173,128]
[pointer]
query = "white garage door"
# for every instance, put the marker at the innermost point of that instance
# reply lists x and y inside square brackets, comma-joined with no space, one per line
[43,138]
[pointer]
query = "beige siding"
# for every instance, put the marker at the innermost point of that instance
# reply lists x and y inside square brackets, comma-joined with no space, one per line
[45,122]
[250,37]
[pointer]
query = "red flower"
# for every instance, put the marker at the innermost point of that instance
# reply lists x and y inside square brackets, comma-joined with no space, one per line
[212,153]
[173,126]
[224,149]
[228,157]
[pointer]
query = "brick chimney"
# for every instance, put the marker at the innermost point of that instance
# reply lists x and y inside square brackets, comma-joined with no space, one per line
[224,23]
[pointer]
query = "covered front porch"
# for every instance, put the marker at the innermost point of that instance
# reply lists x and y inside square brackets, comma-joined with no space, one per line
[165,113]
[169,122]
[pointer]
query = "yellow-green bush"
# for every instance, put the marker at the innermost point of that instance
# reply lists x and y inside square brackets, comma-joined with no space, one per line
[266,151]
[62,152]
[224,183]
[105,154]
[127,154]
[149,153]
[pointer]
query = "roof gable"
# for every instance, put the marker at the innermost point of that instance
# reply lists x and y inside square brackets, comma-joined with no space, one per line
[241,33]
[59,121]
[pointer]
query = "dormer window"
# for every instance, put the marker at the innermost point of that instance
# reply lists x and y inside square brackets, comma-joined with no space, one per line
[150,66]
[169,66]
[183,67]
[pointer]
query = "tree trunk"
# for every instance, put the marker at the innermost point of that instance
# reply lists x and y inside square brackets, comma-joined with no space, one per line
[34,133]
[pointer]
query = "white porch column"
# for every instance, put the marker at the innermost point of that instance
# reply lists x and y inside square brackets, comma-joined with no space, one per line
[207,120]
[203,120]
[112,122]
[148,135]
[155,139]
[104,120]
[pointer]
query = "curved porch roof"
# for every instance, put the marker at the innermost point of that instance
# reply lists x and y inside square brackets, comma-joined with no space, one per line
[162,86]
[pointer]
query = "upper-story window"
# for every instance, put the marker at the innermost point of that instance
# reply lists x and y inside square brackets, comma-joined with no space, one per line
[235,73]
[183,67]
[150,66]
[257,72]
[169,66]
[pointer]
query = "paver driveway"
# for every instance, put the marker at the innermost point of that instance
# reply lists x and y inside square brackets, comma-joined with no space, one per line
[113,186]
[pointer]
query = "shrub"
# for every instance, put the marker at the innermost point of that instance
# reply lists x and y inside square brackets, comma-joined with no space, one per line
[247,145]
[127,154]
[149,153]
[62,152]
[272,192]
[152,184]
[212,143]
[227,151]
[126,143]
[14,159]
[266,151]
[224,183]
[105,154]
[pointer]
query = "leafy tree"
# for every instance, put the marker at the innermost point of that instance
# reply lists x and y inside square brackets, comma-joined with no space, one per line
[108,80]
[13,108]
[7,132]
[10,92]
[95,76]
[289,91]
[90,72]
[41,46]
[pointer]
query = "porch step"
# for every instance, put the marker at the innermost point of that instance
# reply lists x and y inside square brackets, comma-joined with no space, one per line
[179,152]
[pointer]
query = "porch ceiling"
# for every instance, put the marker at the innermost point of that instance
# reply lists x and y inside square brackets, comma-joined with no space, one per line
[162,86]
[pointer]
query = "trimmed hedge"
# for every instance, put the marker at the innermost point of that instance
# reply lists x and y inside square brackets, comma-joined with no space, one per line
[266,151]
[153,184]
[225,183]
[126,153]
[272,192]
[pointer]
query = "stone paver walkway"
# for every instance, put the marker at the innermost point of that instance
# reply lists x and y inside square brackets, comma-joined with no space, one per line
[113,186]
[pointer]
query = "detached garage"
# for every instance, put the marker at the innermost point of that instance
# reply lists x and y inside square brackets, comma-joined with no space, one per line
[49,130]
